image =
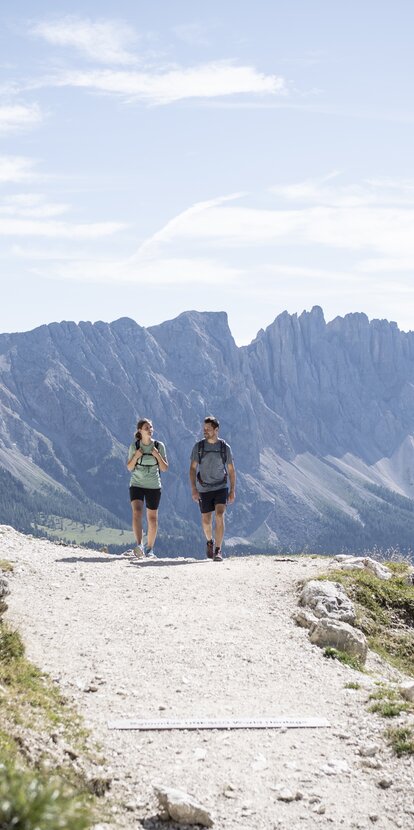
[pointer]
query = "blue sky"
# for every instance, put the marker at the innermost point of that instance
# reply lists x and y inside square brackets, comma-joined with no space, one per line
[238,156]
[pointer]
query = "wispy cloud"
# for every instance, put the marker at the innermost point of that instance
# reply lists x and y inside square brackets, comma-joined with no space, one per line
[16,169]
[16,117]
[210,80]
[104,41]
[158,271]
[32,205]
[364,219]
[58,230]
[168,231]
[327,191]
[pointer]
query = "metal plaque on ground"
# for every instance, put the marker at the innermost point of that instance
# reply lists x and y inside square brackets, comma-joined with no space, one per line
[145,724]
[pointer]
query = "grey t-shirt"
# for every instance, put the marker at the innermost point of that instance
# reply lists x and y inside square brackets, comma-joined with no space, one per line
[212,470]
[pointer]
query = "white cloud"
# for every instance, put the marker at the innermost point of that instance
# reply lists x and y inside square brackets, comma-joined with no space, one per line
[368,192]
[15,169]
[58,230]
[357,223]
[14,117]
[164,272]
[374,266]
[208,80]
[104,41]
[168,232]
[33,205]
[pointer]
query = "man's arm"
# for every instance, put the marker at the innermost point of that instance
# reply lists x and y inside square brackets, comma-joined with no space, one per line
[193,470]
[232,476]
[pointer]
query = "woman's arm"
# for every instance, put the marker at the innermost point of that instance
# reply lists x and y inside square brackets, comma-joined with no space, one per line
[133,460]
[163,463]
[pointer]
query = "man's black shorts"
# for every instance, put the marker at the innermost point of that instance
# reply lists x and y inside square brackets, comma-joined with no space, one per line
[208,501]
[151,496]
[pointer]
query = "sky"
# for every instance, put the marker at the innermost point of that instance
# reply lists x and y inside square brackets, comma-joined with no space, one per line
[247,157]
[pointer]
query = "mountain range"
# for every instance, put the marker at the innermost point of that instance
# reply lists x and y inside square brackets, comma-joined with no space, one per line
[320,418]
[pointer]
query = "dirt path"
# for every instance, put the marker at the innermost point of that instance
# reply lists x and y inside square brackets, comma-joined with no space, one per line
[207,640]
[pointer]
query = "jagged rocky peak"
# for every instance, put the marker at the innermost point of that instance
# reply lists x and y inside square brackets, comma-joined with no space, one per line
[198,337]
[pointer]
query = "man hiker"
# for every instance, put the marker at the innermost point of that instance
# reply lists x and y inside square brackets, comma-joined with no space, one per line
[211,472]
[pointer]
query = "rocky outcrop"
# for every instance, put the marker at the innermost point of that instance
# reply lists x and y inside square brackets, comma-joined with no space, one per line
[330,633]
[329,614]
[327,599]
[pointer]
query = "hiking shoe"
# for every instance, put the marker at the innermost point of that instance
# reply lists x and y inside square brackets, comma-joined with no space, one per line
[210,549]
[149,553]
[138,551]
[217,555]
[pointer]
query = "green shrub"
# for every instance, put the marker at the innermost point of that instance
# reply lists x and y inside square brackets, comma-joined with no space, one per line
[11,646]
[388,702]
[401,739]
[28,803]
[343,657]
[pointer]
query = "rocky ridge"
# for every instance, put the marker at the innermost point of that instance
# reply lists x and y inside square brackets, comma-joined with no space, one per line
[320,417]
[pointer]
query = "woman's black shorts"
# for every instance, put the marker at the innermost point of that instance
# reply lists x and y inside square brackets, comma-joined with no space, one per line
[152,497]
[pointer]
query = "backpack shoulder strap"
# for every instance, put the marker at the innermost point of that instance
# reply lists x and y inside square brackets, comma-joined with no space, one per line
[223,451]
[200,450]
[156,444]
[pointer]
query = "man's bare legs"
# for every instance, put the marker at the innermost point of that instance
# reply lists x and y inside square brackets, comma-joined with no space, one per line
[220,524]
[207,525]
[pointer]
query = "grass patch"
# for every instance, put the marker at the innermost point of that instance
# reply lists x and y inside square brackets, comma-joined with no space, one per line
[401,738]
[352,685]
[31,707]
[388,702]
[6,566]
[343,657]
[385,611]
[80,533]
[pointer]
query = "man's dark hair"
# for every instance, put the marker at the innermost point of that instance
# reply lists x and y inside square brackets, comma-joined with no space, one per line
[210,419]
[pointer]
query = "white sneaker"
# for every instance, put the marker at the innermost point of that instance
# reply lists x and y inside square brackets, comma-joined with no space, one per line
[149,553]
[138,552]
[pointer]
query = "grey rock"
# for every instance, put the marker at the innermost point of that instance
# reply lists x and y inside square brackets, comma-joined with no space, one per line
[286,794]
[304,618]
[407,690]
[339,635]
[4,586]
[327,599]
[385,783]
[181,807]
[368,750]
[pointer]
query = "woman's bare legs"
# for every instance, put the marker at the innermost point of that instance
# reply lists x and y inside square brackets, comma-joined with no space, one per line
[137,506]
[152,519]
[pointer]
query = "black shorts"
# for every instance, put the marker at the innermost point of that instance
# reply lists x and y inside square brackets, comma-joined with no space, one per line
[152,497]
[208,501]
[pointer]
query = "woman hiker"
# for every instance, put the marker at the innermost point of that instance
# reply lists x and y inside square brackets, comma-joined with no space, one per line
[146,459]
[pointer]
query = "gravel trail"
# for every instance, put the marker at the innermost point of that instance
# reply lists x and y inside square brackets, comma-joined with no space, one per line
[205,639]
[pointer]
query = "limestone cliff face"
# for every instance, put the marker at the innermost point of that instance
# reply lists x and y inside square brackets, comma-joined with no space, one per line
[320,418]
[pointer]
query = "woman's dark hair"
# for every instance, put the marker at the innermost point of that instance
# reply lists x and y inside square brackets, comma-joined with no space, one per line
[140,424]
[210,419]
